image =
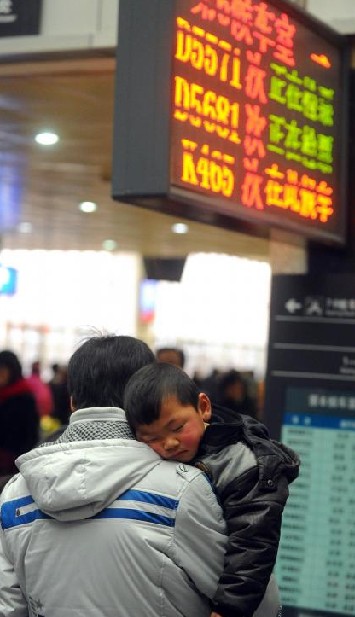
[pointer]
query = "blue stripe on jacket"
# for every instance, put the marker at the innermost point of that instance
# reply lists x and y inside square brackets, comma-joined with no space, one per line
[152,498]
[11,515]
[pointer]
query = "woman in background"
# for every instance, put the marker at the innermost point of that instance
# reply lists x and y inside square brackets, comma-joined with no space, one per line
[19,419]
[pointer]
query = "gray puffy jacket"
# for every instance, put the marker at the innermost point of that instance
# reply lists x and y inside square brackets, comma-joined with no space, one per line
[97,524]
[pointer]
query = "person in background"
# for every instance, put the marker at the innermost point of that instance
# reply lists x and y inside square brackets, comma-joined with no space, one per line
[59,389]
[250,472]
[97,524]
[211,383]
[40,390]
[171,355]
[19,421]
[233,393]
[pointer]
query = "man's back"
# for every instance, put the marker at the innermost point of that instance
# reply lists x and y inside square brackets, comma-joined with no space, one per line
[98,524]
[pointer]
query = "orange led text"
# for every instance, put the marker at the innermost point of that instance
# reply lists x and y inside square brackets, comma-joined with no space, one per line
[207,53]
[322,60]
[207,170]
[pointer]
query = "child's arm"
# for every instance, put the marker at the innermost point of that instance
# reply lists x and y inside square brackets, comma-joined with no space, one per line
[199,533]
[253,507]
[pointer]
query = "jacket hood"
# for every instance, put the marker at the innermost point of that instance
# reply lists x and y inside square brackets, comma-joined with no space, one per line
[274,458]
[76,480]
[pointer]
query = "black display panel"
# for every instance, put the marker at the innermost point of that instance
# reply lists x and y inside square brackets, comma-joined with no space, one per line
[245,103]
[310,405]
[20,17]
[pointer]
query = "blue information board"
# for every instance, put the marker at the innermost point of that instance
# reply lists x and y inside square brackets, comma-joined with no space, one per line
[310,406]
[316,561]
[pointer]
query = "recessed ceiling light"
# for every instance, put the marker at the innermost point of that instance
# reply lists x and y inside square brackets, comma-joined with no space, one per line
[180,228]
[109,245]
[25,227]
[47,138]
[87,206]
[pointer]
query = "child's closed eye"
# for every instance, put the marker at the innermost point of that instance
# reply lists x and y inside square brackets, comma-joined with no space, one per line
[178,428]
[149,440]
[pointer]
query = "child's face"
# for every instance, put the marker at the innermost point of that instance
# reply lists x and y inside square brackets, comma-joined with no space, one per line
[177,433]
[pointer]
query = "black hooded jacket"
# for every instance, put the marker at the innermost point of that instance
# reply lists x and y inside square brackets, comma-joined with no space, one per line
[251,474]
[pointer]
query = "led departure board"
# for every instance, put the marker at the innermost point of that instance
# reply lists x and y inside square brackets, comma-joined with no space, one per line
[245,106]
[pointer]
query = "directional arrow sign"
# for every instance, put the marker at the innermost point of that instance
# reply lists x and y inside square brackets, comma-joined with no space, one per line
[292,305]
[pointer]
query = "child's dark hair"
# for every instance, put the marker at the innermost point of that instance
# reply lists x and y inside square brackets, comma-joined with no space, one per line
[150,386]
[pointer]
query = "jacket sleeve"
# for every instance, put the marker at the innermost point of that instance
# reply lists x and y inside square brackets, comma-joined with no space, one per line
[200,533]
[253,509]
[12,600]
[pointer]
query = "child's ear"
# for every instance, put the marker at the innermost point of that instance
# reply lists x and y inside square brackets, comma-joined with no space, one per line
[204,406]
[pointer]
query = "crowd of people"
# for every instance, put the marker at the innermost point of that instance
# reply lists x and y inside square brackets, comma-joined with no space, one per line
[229,388]
[113,514]
[32,409]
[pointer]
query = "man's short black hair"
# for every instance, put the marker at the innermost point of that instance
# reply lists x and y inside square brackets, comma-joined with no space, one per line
[100,368]
[150,386]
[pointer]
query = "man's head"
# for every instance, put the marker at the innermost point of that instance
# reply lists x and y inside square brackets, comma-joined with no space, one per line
[36,368]
[100,368]
[232,386]
[171,355]
[166,410]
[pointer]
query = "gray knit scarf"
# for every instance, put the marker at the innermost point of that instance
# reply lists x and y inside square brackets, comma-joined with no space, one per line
[92,430]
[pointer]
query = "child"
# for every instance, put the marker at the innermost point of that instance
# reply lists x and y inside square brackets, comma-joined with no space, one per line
[250,473]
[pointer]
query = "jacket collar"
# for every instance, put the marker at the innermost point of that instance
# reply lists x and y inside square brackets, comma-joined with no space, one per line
[98,413]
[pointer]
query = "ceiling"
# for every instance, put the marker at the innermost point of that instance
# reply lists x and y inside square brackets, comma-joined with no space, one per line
[75,99]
